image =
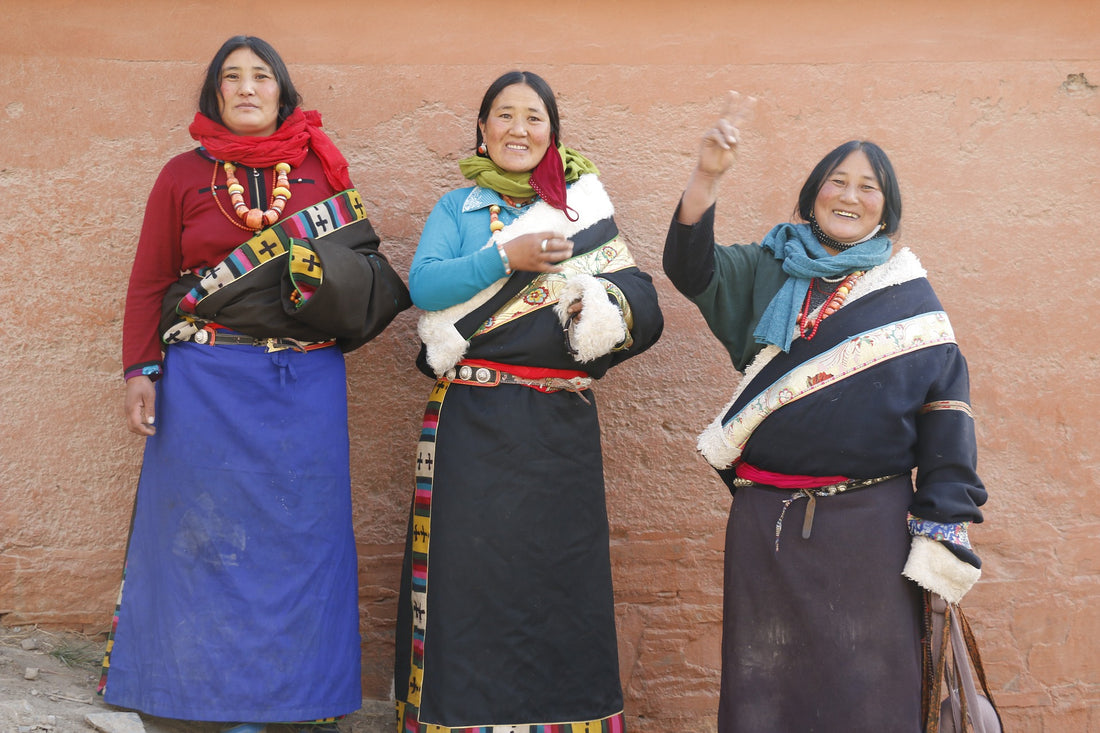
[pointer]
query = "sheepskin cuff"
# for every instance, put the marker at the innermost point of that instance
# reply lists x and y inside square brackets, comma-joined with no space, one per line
[934,567]
[601,327]
[445,345]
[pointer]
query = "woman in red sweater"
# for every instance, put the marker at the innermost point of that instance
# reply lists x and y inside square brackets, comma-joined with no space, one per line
[255,271]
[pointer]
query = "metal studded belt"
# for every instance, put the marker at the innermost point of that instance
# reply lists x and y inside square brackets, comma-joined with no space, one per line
[830,490]
[212,337]
[811,495]
[481,376]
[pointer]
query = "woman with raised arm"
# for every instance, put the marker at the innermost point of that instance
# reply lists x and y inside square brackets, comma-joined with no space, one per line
[848,446]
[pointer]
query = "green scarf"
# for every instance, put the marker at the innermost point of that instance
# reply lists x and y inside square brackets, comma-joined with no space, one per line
[485,173]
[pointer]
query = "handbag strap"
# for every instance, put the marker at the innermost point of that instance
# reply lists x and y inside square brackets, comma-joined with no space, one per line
[964,652]
[950,627]
[972,650]
[964,678]
[938,669]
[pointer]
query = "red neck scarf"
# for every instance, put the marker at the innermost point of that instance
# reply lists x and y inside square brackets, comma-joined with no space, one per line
[548,180]
[299,133]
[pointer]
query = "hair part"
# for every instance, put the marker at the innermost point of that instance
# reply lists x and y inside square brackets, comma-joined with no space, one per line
[289,98]
[530,79]
[884,173]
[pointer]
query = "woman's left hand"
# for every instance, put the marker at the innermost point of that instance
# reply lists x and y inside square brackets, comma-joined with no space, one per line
[538,252]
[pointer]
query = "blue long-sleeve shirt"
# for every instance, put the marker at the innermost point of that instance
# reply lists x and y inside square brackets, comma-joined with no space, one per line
[452,261]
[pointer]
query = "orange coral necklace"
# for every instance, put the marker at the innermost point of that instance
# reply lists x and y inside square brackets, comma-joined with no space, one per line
[254,219]
[808,328]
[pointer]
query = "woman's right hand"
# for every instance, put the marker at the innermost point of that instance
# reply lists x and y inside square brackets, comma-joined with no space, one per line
[718,148]
[717,154]
[538,252]
[141,395]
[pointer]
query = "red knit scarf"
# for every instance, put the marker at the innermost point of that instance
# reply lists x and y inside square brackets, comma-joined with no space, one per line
[300,132]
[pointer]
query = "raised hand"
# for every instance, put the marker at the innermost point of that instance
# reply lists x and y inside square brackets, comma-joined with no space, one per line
[718,148]
[717,153]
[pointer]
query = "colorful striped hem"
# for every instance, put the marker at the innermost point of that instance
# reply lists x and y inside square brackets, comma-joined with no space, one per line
[408,722]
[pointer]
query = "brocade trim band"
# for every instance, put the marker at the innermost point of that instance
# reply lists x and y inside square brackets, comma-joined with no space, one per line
[947,405]
[544,290]
[957,533]
[847,358]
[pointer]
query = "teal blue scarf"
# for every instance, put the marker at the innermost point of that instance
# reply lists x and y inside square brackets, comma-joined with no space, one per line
[804,259]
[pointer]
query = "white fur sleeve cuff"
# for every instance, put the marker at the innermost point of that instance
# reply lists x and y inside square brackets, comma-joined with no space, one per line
[601,326]
[934,567]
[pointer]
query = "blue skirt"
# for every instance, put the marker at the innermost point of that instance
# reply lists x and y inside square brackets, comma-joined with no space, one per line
[240,598]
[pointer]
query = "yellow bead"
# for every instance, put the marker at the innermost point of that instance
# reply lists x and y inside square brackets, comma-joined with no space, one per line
[282,167]
[494,209]
[280,191]
[495,226]
[235,188]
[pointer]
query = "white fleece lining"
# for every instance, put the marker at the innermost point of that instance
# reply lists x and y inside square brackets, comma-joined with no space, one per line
[601,326]
[445,345]
[587,197]
[934,567]
[901,267]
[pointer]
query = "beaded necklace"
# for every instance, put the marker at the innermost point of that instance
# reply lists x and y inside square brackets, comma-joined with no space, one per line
[839,246]
[829,241]
[495,224]
[254,219]
[807,328]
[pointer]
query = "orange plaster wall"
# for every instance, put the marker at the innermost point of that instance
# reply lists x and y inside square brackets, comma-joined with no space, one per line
[991,114]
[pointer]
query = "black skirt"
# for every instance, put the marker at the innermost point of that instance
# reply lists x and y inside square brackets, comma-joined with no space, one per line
[507,606]
[822,634]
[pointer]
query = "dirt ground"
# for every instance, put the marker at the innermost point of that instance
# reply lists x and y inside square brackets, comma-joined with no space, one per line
[64,669]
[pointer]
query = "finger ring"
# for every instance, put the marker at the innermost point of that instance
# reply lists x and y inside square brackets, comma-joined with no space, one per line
[543,245]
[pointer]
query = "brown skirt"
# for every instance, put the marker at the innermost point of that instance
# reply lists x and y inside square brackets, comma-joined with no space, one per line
[824,633]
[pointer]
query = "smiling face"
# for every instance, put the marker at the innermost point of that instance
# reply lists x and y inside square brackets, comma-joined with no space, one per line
[516,131]
[248,94]
[849,203]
